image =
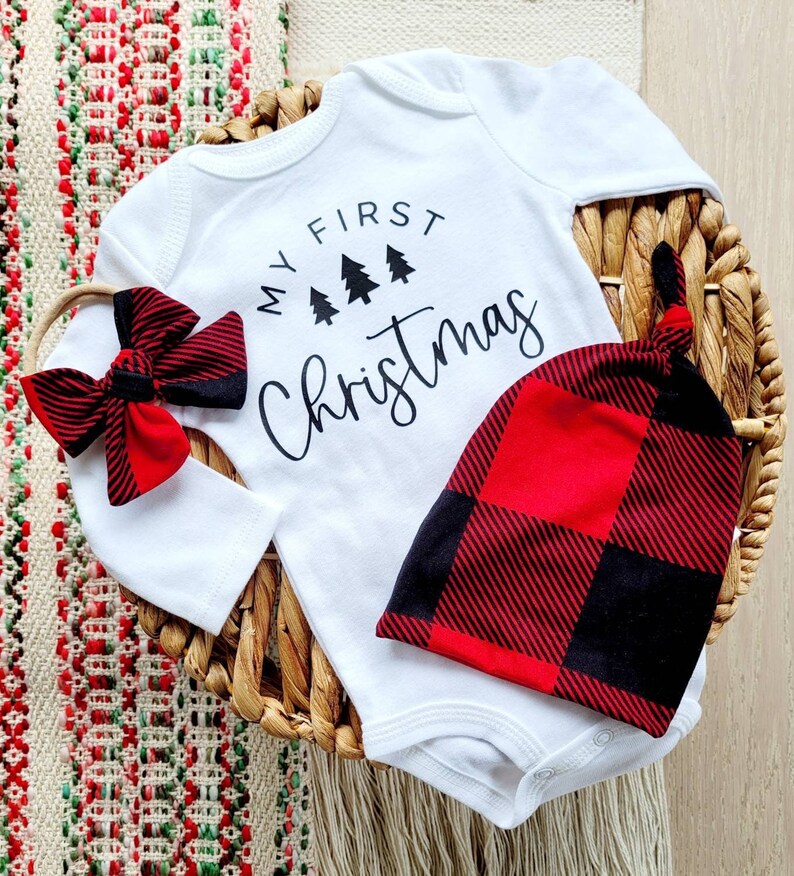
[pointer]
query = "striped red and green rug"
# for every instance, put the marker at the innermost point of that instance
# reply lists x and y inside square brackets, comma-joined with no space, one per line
[114,761]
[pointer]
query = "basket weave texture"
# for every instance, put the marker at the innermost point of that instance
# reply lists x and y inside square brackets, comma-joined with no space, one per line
[298,696]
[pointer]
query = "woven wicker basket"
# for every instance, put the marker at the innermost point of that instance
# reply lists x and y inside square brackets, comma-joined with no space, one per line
[734,348]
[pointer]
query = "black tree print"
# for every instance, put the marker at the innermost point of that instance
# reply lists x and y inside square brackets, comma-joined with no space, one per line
[321,307]
[358,284]
[398,266]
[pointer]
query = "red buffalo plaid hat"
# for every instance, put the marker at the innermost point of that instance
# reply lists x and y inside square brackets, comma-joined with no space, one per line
[579,545]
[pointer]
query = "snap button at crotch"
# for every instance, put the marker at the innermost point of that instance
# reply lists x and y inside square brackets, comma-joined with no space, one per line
[546,773]
[603,738]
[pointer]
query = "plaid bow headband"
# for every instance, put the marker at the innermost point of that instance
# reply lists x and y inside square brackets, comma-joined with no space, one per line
[144,444]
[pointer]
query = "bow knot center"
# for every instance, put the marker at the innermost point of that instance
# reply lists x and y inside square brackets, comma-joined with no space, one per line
[130,376]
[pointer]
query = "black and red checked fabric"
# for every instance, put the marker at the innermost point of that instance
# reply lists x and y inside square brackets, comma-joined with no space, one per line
[144,444]
[579,545]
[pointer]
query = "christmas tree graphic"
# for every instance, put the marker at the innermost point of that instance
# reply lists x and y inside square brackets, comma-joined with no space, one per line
[321,307]
[398,266]
[357,283]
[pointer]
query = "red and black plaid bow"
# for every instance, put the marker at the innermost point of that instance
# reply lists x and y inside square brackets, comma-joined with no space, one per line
[144,444]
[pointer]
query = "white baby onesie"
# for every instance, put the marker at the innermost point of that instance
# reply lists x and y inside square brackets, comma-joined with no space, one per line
[399,258]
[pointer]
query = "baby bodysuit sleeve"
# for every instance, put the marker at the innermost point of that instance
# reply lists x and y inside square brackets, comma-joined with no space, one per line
[190,544]
[575,127]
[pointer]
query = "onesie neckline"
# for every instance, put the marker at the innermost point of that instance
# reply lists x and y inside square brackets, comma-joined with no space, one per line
[277,150]
[285,146]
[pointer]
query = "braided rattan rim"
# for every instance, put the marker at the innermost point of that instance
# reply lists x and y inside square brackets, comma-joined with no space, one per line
[734,348]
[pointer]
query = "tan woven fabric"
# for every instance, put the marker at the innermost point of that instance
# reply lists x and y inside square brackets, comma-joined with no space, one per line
[323,36]
[386,823]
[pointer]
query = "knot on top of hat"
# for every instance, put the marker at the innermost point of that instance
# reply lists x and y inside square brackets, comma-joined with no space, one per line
[674,330]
